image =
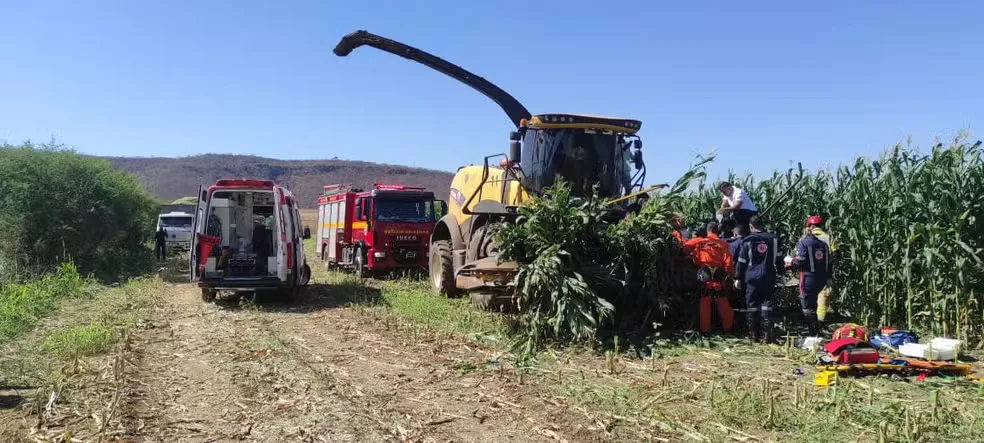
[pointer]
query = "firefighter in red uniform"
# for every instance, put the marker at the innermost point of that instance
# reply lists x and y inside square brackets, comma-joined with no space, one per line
[714,269]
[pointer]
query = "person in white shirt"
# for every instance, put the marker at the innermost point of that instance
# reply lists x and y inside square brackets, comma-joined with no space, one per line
[736,202]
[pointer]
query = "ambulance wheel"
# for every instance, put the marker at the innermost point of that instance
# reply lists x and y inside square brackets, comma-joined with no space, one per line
[442,269]
[360,263]
[305,275]
[208,295]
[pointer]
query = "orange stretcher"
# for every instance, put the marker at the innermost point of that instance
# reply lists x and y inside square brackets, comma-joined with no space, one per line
[894,365]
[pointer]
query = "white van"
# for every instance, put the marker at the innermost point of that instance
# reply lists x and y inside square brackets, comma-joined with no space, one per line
[247,237]
[178,228]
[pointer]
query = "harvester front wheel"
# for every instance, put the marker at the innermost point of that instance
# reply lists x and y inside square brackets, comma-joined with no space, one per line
[442,269]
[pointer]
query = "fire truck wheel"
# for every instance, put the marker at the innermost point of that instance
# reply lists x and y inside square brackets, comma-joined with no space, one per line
[442,269]
[208,295]
[360,263]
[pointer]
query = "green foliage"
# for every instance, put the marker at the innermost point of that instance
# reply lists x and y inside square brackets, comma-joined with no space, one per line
[577,270]
[644,250]
[57,205]
[22,305]
[908,228]
[559,246]
[192,200]
[80,341]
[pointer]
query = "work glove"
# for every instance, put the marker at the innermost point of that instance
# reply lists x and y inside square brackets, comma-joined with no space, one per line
[738,285]
[788,261]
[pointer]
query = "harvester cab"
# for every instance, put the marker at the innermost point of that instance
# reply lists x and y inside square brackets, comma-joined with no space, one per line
[589,152]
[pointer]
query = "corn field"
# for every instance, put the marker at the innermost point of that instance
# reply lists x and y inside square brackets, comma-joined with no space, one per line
[908,228]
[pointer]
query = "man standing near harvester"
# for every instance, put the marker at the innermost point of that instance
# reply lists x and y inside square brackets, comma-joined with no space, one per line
[736,202]
[756,272]
[815,224]
[813,259]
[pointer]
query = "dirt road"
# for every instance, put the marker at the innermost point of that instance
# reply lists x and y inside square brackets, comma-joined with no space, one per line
[319,369]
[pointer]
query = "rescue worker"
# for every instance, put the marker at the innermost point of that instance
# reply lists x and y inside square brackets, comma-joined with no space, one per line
[160,243]
[677,225]
[737,203]
[714,267]
[738,232]
[815,224]
[812,259]
[758,267]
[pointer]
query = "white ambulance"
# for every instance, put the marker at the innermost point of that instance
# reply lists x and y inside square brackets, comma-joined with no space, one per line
[247,237]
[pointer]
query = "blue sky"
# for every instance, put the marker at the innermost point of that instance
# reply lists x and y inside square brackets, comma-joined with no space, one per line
[763,83]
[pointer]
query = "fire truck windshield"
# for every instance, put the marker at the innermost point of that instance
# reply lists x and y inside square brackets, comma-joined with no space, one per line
[404,210]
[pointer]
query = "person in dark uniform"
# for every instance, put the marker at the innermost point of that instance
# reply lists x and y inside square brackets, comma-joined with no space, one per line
[160,243]
[758,267]
[813,261]
[738,232]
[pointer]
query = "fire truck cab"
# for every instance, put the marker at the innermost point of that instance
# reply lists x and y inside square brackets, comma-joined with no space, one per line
[382,230]
[247,237]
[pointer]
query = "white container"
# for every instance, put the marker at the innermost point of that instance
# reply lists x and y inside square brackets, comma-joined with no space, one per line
[811,343]
[947,343]
[927,352]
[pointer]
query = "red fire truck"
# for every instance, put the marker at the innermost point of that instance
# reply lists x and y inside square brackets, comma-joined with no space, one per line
[385,229]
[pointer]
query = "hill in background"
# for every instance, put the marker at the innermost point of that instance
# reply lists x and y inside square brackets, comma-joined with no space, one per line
[173,178]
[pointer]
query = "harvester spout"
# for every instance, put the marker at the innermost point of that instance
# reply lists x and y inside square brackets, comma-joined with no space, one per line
[512,107]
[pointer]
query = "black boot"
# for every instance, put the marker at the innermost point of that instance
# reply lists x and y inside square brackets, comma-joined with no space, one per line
[752,326]
[770,337]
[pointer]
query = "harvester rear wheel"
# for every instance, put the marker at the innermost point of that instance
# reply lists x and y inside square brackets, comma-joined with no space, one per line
[442,269]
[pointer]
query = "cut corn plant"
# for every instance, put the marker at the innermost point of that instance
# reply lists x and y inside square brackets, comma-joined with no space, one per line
[575,267]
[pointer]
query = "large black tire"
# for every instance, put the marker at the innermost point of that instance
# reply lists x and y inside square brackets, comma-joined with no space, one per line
[305,275]
[360,263]
[208,295]
[442,269]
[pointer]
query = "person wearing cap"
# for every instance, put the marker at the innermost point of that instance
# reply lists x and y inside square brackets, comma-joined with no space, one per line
[815,224]
[812,259]
[736,202]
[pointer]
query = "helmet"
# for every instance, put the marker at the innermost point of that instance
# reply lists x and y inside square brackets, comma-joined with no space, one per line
[851,330]
[814,220]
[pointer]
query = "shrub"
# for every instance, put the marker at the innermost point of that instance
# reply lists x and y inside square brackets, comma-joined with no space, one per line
[22,305]
[57,205]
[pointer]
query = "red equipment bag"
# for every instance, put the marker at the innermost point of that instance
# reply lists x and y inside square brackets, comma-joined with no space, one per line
[850,350]
[851,330]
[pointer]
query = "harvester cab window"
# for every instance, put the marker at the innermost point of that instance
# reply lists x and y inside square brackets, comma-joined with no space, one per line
[584,159]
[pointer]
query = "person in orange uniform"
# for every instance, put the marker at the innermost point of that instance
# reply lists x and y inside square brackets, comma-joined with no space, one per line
[714,269]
